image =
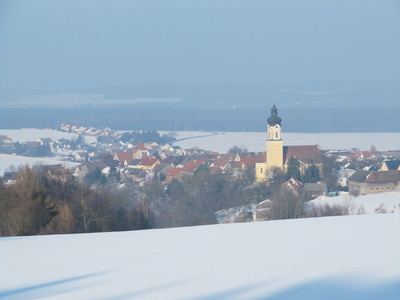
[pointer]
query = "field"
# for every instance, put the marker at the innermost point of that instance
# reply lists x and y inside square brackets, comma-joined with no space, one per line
[255,141]
[349,257]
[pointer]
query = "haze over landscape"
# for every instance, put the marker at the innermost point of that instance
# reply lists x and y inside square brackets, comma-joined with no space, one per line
[222,60]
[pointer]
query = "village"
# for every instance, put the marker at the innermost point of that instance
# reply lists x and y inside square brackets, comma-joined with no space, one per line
[141,157]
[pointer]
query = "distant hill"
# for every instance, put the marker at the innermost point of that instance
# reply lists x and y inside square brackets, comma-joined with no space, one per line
[304,107]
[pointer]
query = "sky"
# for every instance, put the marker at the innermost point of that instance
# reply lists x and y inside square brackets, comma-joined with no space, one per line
[63,46]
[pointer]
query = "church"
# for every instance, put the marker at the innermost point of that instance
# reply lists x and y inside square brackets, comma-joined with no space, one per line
[278,156]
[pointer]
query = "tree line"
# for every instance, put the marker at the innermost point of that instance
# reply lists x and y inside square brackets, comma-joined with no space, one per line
[41,203]
[192,119]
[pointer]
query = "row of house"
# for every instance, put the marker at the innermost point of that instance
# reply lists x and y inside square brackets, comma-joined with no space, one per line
[87,130]
[386,179]
[173,162]
[367,172]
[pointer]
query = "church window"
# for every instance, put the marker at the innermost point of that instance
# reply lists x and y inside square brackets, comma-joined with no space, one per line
[261,170]
[276,135]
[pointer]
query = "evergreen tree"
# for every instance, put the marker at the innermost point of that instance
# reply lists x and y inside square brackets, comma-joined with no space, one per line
[293,168]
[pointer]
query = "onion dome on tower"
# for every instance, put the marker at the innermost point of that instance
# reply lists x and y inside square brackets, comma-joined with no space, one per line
[274,119]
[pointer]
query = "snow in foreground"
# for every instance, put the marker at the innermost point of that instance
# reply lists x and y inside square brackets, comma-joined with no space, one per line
[350,257]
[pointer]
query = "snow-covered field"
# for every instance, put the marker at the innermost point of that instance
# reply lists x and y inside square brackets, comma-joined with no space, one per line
[255,141]
[6,161]
[31,134]
[368,204]
[349,257]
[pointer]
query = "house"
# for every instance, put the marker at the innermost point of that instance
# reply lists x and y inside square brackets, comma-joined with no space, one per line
[140,150]
[66,127]
[45,141]
[292,185]
[78,129]
[306,154]
[81,156]
[314,190]
[220,162]
[163,168]
[371,182]
[148,163]
[176,149]
[232,167]
[64,143]
[5,139]
[82,170]
[390,165]
[56,172]
[134,164]
[174,173]
[190,167]
[124,157]
[230,156]
[91,131]
[134,175]
[248,163]
[343,176]
[9,178]
[164,154]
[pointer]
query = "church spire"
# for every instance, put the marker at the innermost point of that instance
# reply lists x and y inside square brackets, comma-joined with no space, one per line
[274,119]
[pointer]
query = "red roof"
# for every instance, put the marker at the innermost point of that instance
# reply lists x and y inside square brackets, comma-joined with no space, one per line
[174,171]
[191,166]
[383,176]
[125,157]
[307,154]
[292,183]
[262,158]
[220,162]
[249,162]
[364,154]
[139,146]
[148,161]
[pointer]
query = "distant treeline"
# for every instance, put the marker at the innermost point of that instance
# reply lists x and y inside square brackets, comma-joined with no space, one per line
[344,119]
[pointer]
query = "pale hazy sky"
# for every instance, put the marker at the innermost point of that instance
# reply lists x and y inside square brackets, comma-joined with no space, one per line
[56,46]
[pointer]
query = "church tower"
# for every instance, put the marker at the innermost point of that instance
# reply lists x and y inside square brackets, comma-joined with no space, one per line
[274,144]
[274,148]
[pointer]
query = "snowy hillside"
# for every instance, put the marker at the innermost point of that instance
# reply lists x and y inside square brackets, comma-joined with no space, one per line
[255,141]
[350,257]
[368,204]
